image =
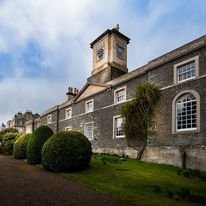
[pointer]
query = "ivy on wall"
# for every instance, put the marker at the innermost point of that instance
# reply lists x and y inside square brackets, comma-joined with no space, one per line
[138,114]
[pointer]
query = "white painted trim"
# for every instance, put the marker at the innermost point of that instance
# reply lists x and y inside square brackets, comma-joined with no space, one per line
[66,117]
[174,85]
[92,130]
[86,109]
[117,90]
[196,59]
[82,114]
[197,96]
[49,116]
[114,136]
[68,128]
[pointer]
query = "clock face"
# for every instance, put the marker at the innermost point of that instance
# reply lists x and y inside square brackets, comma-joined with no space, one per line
[100,53]
[120,51]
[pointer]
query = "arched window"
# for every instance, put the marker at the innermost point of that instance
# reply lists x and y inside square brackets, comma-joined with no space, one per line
[186,112]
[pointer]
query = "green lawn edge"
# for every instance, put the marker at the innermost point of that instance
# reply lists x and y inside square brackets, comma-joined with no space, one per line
[139,182]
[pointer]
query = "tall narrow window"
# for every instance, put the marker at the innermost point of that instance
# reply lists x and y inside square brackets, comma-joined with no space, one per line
[49,119]
[186,113]
[118,127]
[68,113]
[88,130]
[120,95]
[89,106]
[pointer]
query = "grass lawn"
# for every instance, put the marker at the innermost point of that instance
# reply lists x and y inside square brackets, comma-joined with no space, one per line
[139,182]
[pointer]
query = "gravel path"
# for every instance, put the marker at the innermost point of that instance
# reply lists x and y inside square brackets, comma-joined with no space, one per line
[25,185]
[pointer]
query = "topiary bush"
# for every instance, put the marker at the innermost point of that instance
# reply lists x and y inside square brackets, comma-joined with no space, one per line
[8,142]
[7,130]
[20,146]
[66,151]
[36,143]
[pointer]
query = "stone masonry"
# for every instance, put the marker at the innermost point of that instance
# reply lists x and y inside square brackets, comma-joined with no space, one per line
[109,75]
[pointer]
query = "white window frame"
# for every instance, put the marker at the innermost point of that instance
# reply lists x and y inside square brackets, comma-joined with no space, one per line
[66,113]
[49,119]
[186,115]
[116,92]
[188,61]
[114,127]
[68,128]
[86,105]
[92,132]
[174,113]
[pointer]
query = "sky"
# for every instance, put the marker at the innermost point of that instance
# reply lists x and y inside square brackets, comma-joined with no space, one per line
[45,44]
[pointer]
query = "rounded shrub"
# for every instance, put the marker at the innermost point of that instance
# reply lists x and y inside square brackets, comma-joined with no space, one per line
[66,151]
[8,142]
[7,130]
[20,146]
[36,142]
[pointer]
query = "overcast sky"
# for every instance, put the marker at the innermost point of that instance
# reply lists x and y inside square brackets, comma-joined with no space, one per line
[44,44]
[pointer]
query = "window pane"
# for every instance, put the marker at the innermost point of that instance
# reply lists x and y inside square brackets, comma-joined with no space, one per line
[185,72]
[88,130]
[68,113]
[120,95]
[186,112]
[118,127]
[89,106]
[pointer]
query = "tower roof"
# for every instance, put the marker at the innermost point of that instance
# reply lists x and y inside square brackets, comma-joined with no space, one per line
[110,31]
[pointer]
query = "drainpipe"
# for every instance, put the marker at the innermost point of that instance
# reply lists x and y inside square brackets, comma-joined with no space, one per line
[57,122]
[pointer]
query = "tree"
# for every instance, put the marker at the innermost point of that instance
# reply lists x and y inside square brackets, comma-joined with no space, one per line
[138,114]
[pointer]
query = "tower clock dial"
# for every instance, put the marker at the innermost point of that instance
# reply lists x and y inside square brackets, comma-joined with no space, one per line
[120,52]
[100,53]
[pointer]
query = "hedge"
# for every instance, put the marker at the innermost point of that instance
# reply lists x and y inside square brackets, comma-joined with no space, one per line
[7,130]
[8,142]
[20,146]
[66,151]
[36,142]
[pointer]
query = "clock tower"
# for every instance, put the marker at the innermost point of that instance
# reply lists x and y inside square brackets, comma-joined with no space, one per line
[109,56]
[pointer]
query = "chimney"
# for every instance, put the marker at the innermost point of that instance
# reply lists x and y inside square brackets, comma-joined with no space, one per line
[72,92]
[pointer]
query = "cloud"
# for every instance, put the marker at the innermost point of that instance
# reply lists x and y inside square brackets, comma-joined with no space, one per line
[44,44]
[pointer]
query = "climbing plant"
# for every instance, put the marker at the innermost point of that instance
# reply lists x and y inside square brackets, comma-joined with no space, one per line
[138,114]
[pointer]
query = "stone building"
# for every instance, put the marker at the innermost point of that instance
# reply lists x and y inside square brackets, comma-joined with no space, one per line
[20,120]
[2,127]
[180,123]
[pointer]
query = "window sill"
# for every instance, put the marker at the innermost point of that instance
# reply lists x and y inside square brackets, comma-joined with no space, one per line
[120,102]
[186,80]
[88,112]
[187,131]
[119,137]
[68,118]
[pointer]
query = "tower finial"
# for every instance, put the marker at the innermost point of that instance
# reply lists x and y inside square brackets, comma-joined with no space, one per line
[117,27]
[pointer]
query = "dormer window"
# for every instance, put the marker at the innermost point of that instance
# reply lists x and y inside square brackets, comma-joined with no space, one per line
[89,106]
[68,113]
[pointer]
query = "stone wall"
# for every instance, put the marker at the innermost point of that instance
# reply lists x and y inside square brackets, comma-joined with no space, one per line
[164,144]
